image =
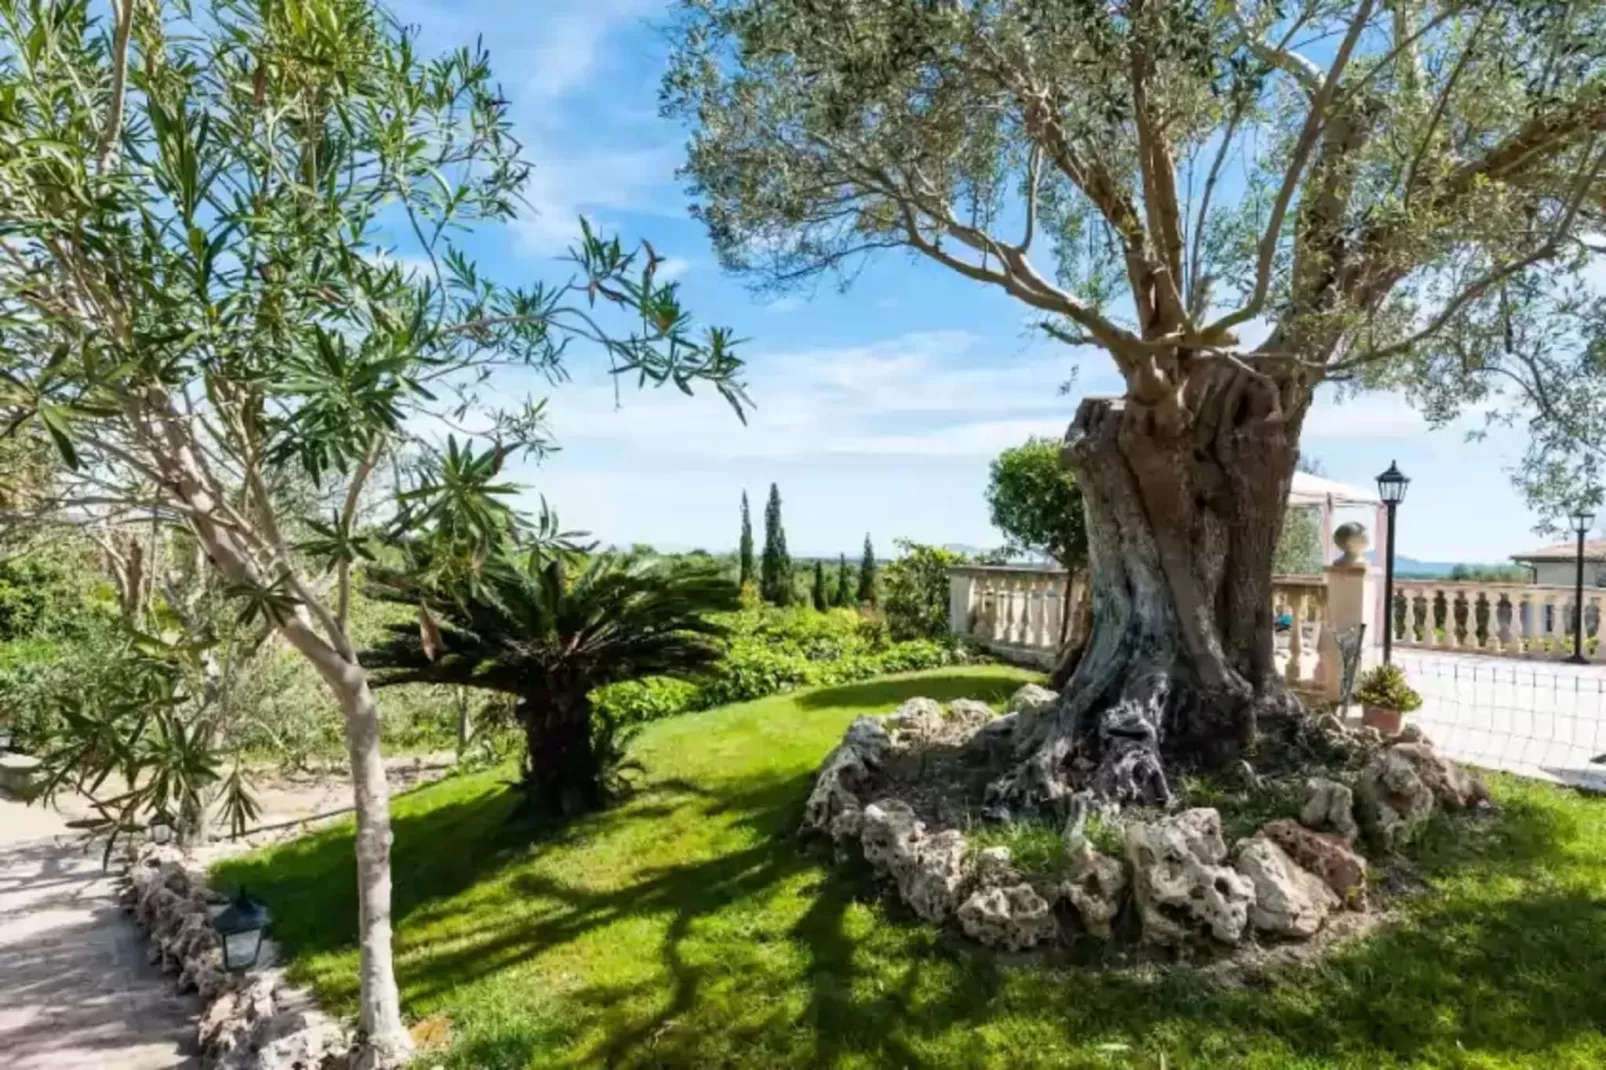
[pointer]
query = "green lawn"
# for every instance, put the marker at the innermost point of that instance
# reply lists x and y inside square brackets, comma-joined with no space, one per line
[687,929]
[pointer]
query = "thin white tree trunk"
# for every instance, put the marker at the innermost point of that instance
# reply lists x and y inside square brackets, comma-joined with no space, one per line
[380,1006]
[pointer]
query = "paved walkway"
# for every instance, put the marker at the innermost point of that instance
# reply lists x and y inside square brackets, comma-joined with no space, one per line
[75,990]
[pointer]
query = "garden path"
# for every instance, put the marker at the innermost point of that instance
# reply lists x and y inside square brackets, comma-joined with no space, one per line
[75,990]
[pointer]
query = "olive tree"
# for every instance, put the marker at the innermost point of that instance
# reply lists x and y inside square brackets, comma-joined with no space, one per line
[204,212]
[1232,203]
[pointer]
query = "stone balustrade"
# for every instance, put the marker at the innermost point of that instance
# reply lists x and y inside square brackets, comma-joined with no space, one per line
[1019,613]
[1016,611]
[1515,620]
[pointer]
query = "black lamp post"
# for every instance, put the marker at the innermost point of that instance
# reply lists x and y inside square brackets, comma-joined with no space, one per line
[241,926]
[1391,486]
[1583,520]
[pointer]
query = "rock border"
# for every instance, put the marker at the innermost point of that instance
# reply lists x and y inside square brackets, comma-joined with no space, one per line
[252,1021]
[1177,876]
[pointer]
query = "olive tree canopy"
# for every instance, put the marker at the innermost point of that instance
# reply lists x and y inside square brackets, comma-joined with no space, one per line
[1233,202]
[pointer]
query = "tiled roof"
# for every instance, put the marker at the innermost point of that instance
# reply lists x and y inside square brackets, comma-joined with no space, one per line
[1594,550]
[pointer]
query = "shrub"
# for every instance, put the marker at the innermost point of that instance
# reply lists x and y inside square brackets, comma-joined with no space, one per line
[1385,686]
[915,590]
[771,650]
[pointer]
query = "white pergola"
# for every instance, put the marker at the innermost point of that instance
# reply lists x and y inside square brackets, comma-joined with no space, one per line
[1319,492]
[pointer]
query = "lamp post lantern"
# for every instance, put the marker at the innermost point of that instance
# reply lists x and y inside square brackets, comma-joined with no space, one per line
[241,926]
[1391,487]
[1583,520]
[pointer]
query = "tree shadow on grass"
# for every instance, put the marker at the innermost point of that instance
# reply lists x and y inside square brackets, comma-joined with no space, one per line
[875,694]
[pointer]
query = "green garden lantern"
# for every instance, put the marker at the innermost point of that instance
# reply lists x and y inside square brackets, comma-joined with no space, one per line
[242,925]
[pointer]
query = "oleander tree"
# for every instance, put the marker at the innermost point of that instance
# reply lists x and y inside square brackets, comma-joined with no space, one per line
[1228,204]
[233,265]
[1033,499]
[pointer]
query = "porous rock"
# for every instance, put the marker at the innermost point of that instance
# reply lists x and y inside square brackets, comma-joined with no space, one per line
[1178,881]
[995,867]
[1033,700]
[940,868]
[890,833]
[1094,889]
[1013,918]
[1394,799]
[1330,806]
[1289,901]
[834,805]
[1452,786]
[966,716]
[918,722]
[1324,854]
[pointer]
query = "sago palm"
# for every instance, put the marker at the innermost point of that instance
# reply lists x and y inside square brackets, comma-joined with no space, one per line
[527,628]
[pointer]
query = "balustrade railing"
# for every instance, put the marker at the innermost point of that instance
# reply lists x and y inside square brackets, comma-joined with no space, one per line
[1508,619]
[1021,611]
[1299,608]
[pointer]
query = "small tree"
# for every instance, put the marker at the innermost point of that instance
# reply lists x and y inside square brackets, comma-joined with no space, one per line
[201,308]
[1299,550]
[775,570]
[744,551]
[844,589]
[867,575]
[916,599]
[1035,502]
[821,602]
[525,627]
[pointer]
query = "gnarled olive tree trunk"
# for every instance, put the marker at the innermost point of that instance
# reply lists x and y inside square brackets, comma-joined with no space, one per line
[1182,524]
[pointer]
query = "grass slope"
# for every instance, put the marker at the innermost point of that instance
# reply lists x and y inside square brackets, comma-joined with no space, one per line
[686,929]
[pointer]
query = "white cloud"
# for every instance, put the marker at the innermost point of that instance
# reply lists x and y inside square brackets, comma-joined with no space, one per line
[564,187]
[932,393]
[571,38]
[671,268]
[784,304]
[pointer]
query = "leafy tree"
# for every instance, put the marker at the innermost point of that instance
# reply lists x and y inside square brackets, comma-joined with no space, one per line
[1375,184]
[916,596]
[1299,549]
[1035,503]
[526,628]
[745,549]
[867,575]
[202,309]
[775,570]
[843,596]
[817,592]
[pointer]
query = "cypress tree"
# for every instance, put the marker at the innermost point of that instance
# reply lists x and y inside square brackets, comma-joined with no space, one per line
[745,550]
[844,593]
[867,575]
[820,602]
[775,568]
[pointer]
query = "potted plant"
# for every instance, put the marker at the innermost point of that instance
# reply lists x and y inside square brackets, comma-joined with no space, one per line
[1386,698]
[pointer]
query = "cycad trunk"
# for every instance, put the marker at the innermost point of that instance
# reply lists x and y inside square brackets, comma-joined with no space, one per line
[1182,525]
[561,772]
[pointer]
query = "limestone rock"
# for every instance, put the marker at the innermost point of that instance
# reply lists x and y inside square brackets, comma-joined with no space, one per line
[1330,806]
[1094,889]
[889,837]
[995,867]
[917,722]
[1013,918]
[940,868]
[1179,884]
[1394,799]
[1453,787]
[1289,901]
[1033,700]
[1324,854]
[995,741]
[834,803]
[966,717]
[1412,733]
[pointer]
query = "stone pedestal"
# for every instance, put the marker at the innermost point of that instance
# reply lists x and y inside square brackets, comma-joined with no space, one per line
[1354,590]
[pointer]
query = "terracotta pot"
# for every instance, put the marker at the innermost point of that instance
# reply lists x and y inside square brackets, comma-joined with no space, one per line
[1385,720]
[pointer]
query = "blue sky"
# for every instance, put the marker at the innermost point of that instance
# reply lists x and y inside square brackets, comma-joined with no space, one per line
[877,409]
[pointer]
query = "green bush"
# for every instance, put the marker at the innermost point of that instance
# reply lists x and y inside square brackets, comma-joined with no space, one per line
[771,650]
[1386,687]
[915,590]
